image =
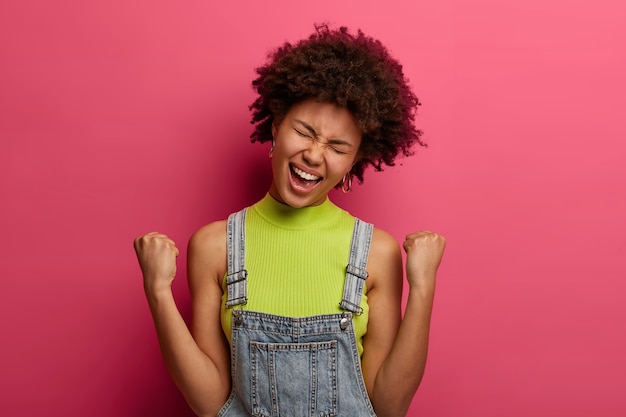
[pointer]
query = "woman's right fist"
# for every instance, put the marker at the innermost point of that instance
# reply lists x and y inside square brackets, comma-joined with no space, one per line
[156,254]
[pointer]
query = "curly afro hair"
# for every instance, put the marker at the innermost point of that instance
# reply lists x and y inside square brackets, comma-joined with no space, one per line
[352,71]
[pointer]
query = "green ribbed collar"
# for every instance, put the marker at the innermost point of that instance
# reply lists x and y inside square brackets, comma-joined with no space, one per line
[289,217]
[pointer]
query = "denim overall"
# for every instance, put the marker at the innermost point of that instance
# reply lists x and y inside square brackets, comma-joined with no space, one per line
[295,366]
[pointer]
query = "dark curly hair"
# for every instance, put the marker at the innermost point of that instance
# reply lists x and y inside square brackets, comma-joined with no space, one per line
[352,71]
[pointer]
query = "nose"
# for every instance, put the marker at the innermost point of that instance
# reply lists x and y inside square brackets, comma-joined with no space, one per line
[314,152]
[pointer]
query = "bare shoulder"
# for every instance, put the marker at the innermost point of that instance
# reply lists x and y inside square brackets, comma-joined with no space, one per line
[209,236]
[207,254]
[383,243]
[385,258]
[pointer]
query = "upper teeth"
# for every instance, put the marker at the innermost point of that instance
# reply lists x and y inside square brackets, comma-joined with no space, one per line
[305,175]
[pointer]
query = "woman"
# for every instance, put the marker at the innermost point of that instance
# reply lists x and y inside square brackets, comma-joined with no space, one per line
[281,326]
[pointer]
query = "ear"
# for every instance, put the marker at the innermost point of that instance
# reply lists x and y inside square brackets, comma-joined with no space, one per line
[274,129]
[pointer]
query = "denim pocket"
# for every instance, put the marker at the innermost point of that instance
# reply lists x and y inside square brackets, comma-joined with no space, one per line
[293,379]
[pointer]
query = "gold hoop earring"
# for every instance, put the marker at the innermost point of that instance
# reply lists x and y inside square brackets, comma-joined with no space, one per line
[343,184]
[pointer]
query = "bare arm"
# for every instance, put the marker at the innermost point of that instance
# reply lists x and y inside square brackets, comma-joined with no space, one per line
[395,349]
[199,369]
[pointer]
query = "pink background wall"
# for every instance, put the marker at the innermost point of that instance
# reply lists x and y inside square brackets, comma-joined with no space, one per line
[122,117]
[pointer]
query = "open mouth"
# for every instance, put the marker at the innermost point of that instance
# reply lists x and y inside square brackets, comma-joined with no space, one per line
[302,180]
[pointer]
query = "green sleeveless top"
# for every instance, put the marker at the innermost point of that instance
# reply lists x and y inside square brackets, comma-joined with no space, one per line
[296,260]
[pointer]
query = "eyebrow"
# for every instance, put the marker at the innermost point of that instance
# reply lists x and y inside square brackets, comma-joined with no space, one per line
[312,131]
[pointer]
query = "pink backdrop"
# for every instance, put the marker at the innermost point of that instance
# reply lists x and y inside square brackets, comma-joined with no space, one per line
[122,117]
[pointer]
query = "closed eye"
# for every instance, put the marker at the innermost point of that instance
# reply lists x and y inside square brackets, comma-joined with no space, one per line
[300,133]
[337,146]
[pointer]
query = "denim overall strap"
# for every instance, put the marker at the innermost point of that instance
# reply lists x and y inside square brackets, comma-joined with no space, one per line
[236,278]
[355,271]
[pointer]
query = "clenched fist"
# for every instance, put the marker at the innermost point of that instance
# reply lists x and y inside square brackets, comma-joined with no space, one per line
[156,254]
[424,251]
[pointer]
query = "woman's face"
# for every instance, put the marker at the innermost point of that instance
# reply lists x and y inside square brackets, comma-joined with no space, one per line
[316,144]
